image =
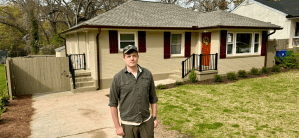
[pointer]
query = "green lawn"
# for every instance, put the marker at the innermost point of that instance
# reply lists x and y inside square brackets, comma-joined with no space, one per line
[260,107]
[2,81]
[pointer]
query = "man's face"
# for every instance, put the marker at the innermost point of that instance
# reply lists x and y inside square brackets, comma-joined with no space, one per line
[131,59]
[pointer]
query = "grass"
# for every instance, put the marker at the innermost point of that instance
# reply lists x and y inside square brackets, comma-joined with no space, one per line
[258,107]
[3,89]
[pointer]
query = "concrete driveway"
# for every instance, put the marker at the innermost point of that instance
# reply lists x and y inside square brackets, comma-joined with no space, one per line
[71,115]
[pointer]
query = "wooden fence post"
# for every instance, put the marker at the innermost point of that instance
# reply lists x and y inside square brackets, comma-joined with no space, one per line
[8,76]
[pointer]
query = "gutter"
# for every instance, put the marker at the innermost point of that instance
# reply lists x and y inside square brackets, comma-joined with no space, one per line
[64,44]
[98,58]
[169,28]
[265,63]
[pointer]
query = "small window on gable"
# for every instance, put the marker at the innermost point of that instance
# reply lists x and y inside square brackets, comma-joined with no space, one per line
[126,39]
[176,44]
[297,29]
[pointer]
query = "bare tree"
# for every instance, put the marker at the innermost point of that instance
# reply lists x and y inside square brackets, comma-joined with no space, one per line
[208,5]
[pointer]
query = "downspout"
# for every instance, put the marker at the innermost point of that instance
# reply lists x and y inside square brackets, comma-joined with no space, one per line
[98,57]
[64,44]
[265,63]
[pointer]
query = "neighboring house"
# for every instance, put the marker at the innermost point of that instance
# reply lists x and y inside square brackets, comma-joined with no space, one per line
[284,13]
[166,35]
[3,56]
[60,51]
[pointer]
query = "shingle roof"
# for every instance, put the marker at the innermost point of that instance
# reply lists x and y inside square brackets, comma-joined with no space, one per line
[154,14]
[290,7]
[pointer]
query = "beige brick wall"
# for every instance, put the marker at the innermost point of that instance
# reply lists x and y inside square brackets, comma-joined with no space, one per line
[236,64]
[153,59]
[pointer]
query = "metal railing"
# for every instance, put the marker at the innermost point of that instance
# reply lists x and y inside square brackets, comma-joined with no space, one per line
[199,62]
[76,62]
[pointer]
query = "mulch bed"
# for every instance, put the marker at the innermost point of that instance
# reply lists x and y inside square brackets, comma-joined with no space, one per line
[225,80]
[15,121]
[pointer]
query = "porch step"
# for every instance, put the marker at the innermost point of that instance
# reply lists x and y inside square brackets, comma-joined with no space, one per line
[84,89]
[83,84]
[79,73]
[83,79]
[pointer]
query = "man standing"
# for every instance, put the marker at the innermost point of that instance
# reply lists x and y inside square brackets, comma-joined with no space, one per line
[133,87]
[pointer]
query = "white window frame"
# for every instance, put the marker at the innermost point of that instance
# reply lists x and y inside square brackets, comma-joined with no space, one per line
[182,45]
[231,43]
[234,53]
[294,37]
[260,41]
[135,37]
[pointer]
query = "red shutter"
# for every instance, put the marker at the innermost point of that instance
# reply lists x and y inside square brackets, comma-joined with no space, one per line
[264,42]
[113,41]
[166,45]
[141,42]
[223,43]
[187,44]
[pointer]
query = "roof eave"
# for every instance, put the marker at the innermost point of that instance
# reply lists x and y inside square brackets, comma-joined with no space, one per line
[168,28]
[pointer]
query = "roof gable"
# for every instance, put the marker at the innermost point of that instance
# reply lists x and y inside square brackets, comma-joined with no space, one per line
[289,7]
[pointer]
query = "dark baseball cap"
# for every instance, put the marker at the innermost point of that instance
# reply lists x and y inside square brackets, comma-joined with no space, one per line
[128,48]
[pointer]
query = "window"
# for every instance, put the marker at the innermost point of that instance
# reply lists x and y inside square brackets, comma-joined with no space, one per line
[176,44]
[243,43]
[256,42]
[230,43]
[239,43]
[126,39]
[297,29]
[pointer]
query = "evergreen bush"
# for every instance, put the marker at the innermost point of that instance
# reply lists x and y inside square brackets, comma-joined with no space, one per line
[231,76]
[254,71]
[192,76]
[242,73]
[217,78]
[265,70]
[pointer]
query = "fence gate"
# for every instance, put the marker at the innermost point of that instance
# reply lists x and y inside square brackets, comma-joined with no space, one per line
[37,75]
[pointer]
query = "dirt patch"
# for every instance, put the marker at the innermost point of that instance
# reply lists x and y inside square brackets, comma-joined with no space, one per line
[227,81]
[15,122]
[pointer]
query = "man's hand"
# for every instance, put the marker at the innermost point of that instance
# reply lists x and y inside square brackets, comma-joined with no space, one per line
[156,123]
[119,131]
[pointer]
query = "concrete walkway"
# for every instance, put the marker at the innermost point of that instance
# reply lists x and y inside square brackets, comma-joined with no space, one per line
[74,115]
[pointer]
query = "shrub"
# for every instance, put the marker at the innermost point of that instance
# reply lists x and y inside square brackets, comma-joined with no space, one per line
[192,76]
[265,70]
[217,78]
[292,61]
[231,76]
[254,71]
[161,86]
[179,83]
[275,68]
[242,73]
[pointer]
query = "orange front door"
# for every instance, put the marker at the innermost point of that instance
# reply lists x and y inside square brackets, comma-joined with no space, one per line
[205,48]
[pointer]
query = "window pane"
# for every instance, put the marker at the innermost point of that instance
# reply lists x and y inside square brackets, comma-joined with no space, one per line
[257,38]
[175,49]
[126,36]
[230,38]
[256,47]
[243,43]
[176,38]
[124,44]
[297,29]
[229,48]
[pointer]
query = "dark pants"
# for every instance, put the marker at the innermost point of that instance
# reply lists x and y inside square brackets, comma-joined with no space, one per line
[144,130]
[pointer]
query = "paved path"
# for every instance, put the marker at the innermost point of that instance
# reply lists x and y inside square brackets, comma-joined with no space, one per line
[74,115]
